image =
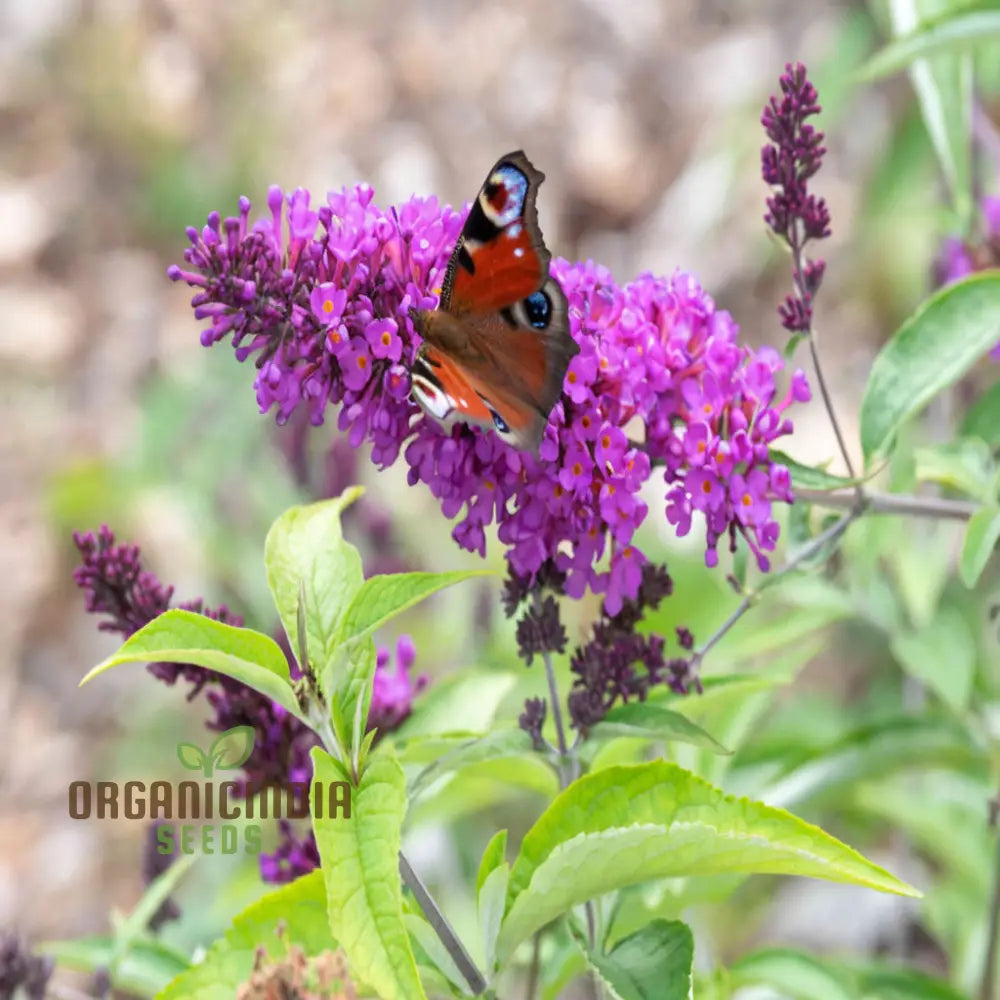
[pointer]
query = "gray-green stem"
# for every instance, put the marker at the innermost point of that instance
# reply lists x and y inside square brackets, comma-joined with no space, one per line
[828,537]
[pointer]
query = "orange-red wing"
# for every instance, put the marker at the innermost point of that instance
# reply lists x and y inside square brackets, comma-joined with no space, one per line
[500,257]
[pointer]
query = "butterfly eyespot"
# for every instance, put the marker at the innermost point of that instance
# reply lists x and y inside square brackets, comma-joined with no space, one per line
[538,308]
[499,423]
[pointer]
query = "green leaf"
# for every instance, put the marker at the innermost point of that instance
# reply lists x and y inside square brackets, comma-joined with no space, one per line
[192,757]
[179,636]
[232,748]
[794,973]
[810,477]
[135,925]
[929,352]
[887,747]
[943,84]
[966,465]
[305,549]
[469,698]
[300,907]
[500,744]
[652,721]
[981,536]
[625,825]
[383,597]
[420,928]
[942,655]
[805,977]
[885,982]
[959,29]
[983,419]
[147,968]
[490,904]
[493,857]
[360,864]
[354,685]
[654,963]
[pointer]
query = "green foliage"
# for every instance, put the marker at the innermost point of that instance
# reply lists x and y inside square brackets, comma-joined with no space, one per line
[298,908]
[652,964]
[360,857]
[929,352]
[963,27]
[626,824]
[179,636]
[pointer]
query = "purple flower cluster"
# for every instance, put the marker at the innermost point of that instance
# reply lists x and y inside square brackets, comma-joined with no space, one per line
[958,258]
[295,855]
[796,215]
[660,382]
[619,662]
[116,586]
[21,972]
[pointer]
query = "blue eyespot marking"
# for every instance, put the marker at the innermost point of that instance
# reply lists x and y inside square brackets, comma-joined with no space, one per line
[499,423]
[538,308]
[506,199]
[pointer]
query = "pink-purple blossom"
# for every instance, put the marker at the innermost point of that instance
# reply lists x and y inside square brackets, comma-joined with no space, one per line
[327,313]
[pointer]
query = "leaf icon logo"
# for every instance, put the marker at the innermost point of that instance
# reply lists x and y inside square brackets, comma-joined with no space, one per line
[228,751]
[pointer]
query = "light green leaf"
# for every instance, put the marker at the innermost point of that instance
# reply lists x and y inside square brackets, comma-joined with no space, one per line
[148,966]
[883,982]
[354,684]
[929,352]
[179,636]
[192,757]
[810,477]
[232,748]
[135,925]
[305,549]
[981,536]
[795,974]
[493,856]
[966,465]
[654,963]
[383,597]
[427,749]
[942,655]
[469,698]
[424,934]
[300,907]
[960,29]
[983,419]
[652,721]
[887,747]
[360,864]
[943,84]
[805,977]
[490,903]
[498,745]
[625,825]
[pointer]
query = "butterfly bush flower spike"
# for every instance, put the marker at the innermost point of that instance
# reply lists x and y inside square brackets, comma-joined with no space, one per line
[116,586]
[794,213]
[660,389]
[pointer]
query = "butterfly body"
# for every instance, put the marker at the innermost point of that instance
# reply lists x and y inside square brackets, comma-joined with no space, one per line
[496,349]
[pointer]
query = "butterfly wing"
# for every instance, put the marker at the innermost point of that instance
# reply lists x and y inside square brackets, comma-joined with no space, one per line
[500,257]
[497,348]
[502,370]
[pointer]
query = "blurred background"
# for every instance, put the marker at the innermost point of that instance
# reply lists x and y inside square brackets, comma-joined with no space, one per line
[121,123]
